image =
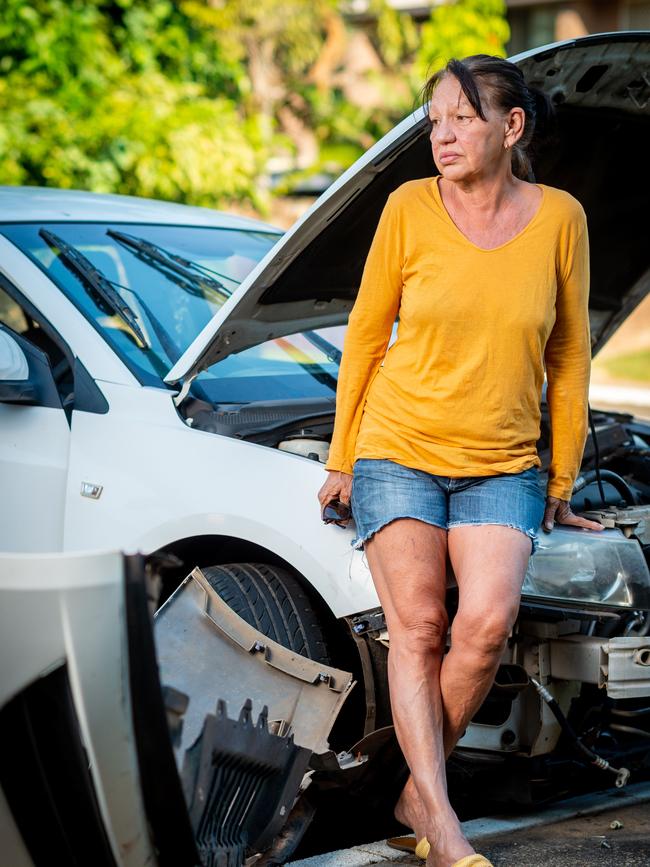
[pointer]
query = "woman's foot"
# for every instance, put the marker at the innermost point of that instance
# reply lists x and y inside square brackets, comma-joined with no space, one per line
[409,810]
[448,844]
[447,841]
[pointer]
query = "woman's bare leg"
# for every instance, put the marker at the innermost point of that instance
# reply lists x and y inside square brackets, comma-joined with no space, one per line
[489,562]
[407,563]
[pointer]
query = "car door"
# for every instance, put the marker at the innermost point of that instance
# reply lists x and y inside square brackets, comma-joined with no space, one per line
[34,447]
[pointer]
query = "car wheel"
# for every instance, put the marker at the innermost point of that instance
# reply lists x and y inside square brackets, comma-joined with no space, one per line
[271,599]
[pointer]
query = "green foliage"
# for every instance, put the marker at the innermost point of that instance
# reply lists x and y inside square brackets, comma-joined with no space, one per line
[631,365]
[396,33]
[460,28]
[127,97]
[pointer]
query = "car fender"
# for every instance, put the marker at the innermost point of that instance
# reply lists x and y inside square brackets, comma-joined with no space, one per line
[159,481]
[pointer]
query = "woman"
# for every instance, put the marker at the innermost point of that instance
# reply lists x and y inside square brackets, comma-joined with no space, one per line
[434,445]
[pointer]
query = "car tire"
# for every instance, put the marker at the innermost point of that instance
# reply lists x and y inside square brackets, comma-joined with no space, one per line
[271,599]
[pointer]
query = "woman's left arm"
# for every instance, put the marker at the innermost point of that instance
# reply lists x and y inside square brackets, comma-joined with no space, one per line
[568,364]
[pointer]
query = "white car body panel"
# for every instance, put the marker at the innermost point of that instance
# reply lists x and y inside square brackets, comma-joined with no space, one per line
[70,608]
[47,205]
[13,847]
[34,445]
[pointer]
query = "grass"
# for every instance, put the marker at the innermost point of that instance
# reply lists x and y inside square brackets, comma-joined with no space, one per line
[631,365]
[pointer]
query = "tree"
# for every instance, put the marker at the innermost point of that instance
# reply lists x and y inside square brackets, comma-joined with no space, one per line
[126,96]
[460,28]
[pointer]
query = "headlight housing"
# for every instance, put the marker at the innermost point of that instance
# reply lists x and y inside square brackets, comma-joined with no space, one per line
[578,566]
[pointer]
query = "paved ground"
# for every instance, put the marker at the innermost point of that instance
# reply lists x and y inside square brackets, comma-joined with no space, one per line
[587,840]
[551,840]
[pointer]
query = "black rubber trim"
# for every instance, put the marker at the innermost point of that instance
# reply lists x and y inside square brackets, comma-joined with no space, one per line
[169,822]
[45,777]
[593,39]
[87,395]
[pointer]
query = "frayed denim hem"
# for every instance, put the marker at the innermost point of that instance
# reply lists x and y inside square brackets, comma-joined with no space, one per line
[531,532]
[358,542]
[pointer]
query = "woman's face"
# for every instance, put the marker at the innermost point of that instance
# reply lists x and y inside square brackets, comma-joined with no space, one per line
[464,146]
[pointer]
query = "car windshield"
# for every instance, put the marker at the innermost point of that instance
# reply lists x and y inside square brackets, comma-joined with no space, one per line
[150,290]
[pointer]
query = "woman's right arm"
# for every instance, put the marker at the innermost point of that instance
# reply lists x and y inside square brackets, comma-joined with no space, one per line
[368,334]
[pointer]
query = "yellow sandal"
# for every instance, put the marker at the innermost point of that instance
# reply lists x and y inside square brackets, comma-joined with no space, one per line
[423,848]
[402,844]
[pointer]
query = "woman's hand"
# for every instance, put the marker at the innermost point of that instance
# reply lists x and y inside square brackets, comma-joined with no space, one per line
[337,486]
[559,511]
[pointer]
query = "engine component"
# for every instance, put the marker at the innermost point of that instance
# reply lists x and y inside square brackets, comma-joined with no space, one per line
[630,520]
[614,479]
[619,664]
[622,774]
[317,450]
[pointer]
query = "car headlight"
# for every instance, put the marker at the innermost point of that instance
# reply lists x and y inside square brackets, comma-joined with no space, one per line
[583,566]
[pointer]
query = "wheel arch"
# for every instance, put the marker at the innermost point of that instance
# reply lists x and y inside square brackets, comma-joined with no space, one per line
[217,549]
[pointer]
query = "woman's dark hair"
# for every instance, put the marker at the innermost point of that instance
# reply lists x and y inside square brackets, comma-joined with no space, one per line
[504,86]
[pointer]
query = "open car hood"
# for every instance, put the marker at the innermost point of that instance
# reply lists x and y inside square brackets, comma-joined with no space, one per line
[600,85]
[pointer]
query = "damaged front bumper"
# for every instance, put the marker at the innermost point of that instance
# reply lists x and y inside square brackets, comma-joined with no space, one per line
[240,794]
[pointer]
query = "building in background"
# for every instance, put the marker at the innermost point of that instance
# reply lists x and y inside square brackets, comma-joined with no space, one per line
[533,23]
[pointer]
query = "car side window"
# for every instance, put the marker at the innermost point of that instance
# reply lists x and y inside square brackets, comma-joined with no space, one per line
[12,314]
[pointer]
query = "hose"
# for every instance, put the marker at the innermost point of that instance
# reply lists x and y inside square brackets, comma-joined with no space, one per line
[632,730]
[613,478]
[597,469]
[636,711]
[640,619]
[622,774]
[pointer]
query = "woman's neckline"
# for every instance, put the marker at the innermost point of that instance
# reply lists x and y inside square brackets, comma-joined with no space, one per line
[438,197]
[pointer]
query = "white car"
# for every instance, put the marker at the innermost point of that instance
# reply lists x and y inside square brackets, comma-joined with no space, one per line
[167,385]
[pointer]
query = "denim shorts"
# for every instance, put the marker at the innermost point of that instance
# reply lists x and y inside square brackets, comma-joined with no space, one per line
[383,490]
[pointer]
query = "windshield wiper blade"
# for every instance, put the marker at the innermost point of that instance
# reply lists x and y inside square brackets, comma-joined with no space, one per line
[157,256]
[95,283]
[332,353]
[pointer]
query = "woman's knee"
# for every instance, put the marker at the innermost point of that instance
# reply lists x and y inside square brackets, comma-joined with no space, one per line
[421,632]
[483,634]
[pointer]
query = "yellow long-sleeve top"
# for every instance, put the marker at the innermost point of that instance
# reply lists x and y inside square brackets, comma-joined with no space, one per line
[458,392]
